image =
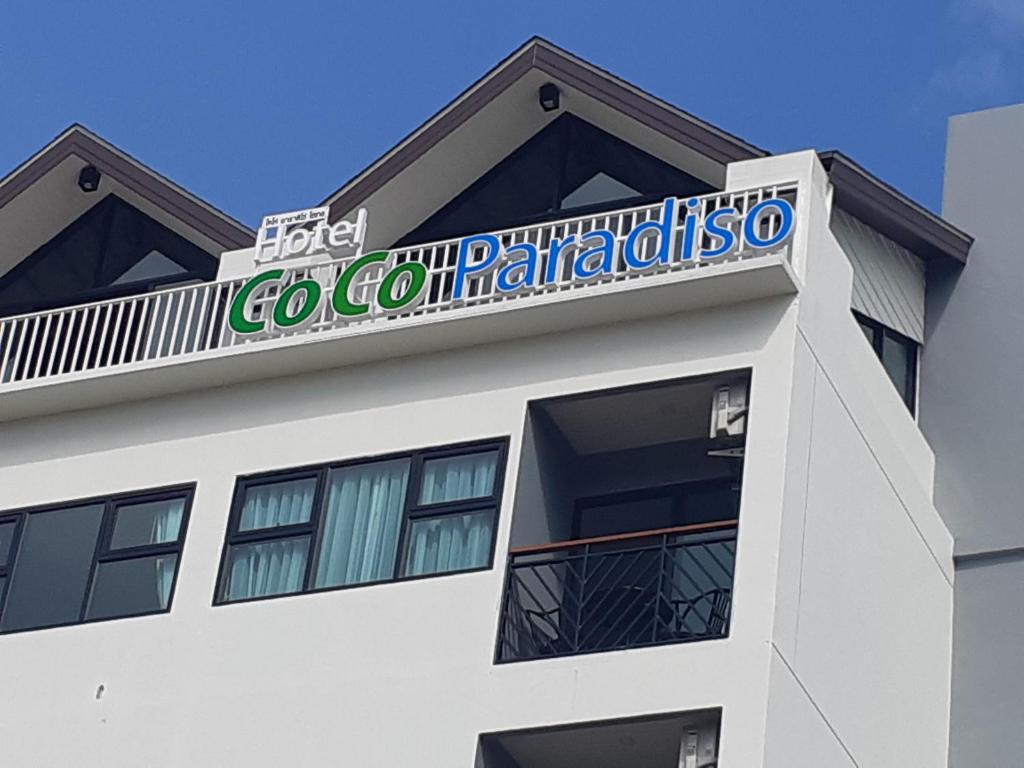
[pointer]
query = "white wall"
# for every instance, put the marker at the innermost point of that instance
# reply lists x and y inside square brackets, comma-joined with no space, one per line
[861,640]
[395,674]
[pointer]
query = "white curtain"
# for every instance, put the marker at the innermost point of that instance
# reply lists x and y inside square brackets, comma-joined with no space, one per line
[268,506]
[362,523]
[267,568]
[450,543]
[460,477]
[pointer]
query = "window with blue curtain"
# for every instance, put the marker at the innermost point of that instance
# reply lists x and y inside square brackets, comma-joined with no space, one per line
[339,525]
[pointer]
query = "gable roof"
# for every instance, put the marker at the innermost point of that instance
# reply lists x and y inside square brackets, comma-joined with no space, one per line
[544,56]
[163,193]
[877,203]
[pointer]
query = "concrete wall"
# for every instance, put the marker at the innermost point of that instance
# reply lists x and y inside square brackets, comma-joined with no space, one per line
[971,373]
[394,674]
[861,640]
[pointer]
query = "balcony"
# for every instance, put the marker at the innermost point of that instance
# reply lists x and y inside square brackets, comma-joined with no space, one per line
[678,740]
[625,525]
[179,338]
[610,593]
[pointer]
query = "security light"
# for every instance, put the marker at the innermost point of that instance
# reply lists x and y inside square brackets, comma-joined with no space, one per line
[89,178]
[548,96]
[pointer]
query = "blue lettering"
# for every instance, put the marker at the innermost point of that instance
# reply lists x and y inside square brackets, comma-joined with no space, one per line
[526,268]
[750,226]
[462,266]
[724,234]
[665,229]
[606,250]
[690,228]
[557,246]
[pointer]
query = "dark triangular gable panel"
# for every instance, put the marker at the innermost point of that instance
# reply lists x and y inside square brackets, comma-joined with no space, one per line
[538,181]
[92,257]
[570,71]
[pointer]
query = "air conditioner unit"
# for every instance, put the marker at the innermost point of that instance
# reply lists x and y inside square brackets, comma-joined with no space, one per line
[699,748]
[728,420]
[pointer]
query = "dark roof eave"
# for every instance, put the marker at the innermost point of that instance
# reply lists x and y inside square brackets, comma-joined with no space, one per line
[147,183]
[892,213]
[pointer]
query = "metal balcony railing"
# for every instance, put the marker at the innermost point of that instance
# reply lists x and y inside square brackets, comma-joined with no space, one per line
[671,585]
[190,322]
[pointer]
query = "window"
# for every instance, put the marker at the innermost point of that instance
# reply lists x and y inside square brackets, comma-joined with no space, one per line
[898,354]
[363,522]
[99,559]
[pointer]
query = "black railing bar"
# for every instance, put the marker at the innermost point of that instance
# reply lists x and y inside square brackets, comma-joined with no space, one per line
[619,574]
[675,588]
[720,564]
[646,612]
[543,582]
[610,609]
[538,603]
[702,569]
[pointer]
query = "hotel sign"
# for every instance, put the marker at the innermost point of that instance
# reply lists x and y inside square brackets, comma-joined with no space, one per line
[680,233]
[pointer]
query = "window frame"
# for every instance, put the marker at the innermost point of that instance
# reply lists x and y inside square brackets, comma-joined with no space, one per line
[102,551]
[879,332]
[412,511]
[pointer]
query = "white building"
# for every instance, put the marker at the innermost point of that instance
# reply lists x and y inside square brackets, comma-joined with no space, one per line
[587,498]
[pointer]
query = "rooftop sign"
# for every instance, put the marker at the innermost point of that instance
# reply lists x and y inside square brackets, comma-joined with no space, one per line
[307,234]
[676,233]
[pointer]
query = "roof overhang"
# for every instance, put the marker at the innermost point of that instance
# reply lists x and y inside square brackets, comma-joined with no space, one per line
[499,112]
[892,213]
[41,197]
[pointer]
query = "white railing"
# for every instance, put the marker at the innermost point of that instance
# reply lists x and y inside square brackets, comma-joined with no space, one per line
[184,323]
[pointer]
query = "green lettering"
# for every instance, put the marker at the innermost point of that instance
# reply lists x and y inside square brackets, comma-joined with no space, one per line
[340,300]
[307,308]
[418,277]
[237,320]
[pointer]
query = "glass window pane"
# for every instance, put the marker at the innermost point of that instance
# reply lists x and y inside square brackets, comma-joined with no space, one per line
[362,522]
[131,587]
[450,543]
[6,539]
[50,579]
[896,357]
[275,504]
[151,522]
[469,476]
[266,568]
[869,332]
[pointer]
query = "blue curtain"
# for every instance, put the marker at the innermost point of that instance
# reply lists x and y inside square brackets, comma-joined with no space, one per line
[459,477]
[166,525]
[450,543]
[362,522]
[267,568]
[268,506]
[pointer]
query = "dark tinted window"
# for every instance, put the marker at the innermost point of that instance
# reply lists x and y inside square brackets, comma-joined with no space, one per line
[51,574]
[112,249]
[569,166]
[898,354]
[100,559]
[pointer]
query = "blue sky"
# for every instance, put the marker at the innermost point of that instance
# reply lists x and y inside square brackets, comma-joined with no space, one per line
[260,107]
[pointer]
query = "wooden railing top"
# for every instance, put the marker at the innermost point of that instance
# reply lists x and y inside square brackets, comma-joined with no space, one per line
[558,545]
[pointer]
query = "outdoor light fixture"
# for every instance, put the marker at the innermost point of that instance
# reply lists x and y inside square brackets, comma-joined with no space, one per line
[548,96]
[89,178]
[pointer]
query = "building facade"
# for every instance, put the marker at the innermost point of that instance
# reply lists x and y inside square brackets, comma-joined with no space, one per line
[572,431]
